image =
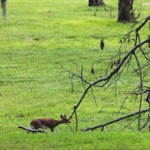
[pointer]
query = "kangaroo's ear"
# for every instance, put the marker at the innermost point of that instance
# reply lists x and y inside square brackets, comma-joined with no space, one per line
[61,116]
[64,116]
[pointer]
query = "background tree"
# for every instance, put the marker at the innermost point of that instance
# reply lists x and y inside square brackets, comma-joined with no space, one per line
[3,6]
[125,11]
[95,2]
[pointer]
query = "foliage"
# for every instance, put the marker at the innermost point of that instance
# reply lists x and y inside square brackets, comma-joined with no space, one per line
[36,40]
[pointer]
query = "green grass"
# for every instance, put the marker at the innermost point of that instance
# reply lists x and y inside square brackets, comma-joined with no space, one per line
[75,141]
[36,42]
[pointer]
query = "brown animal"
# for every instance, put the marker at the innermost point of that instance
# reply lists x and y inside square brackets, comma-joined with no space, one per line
[48,123]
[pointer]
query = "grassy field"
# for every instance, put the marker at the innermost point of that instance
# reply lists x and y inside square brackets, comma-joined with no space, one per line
[37,41]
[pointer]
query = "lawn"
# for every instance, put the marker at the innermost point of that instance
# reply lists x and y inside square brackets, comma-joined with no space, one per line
[39,40]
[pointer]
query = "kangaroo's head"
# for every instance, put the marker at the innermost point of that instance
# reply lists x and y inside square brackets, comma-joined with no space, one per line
[64,119]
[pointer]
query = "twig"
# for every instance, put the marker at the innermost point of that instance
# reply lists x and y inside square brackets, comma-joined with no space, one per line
[141,89]
[76,121]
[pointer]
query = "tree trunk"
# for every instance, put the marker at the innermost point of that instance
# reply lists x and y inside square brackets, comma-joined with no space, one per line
[3,6]
[125,11]
[95,2]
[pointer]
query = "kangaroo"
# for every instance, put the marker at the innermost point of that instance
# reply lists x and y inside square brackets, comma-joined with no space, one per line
[48,122]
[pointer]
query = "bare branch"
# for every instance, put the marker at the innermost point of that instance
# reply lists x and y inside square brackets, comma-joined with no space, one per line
[107,78]
[116,120]
[141,89]
[32,130]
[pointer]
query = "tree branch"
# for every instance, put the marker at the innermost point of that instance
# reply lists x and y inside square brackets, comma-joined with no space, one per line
[116,120]
[31,130]
[107,78]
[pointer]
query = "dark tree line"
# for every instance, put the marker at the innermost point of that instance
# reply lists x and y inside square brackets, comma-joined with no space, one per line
[125,9]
